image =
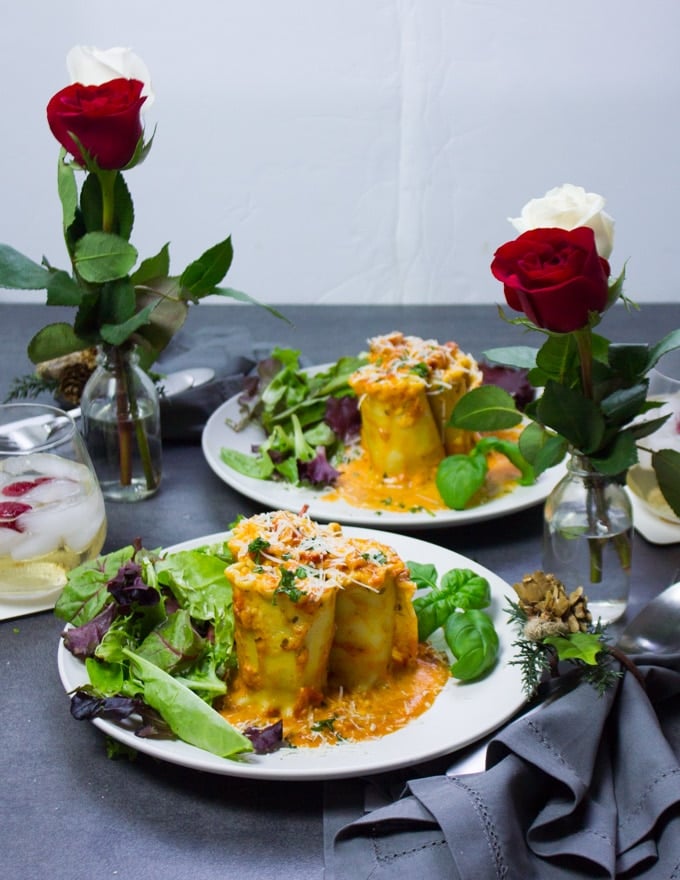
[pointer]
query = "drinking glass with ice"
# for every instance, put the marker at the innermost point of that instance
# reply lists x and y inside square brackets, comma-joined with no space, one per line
[52,515]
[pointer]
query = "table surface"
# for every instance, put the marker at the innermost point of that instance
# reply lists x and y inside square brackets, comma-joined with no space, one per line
[68,810]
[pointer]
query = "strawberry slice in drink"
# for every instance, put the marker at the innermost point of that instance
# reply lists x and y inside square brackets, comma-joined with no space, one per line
[21,487]
[10,511]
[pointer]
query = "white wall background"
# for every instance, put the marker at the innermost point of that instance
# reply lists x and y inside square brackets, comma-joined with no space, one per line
[365,150]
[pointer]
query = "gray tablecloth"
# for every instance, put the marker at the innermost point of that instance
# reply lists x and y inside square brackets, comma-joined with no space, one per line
[586,785]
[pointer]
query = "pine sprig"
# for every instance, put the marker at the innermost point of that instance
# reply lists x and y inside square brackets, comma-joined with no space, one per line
[30,386]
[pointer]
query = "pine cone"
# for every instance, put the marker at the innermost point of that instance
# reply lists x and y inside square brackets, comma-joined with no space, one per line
[543,599]
[71,373]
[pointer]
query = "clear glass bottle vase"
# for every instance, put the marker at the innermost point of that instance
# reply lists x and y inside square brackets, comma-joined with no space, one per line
[121,425]
[588,535]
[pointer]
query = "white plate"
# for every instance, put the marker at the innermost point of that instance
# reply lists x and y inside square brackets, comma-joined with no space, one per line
[217,435]
[461,714]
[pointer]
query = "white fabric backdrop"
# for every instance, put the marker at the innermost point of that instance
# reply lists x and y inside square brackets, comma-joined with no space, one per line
[365,150]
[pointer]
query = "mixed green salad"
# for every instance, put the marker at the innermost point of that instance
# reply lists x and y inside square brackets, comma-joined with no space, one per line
[311,420]
[156,635]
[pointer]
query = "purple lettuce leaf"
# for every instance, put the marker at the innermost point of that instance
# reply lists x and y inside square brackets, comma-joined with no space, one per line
[511,379]
[265,739]
[319,471]
[343,417]
[83,640]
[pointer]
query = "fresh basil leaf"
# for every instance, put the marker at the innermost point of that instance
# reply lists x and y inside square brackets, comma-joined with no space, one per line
[471,590]
[473,642]
[458,477]
[512,452]
[423,574]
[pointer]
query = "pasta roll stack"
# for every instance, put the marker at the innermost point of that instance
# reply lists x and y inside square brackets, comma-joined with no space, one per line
[407,393]
[312,606]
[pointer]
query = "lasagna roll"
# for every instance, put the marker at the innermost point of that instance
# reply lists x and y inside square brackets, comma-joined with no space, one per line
[407,393]
[376,627]
[311,605]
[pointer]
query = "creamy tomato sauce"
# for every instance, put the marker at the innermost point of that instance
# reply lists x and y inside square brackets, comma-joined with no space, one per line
[352,717]
[361,486]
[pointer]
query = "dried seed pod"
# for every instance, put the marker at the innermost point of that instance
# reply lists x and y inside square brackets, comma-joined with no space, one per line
[543,596]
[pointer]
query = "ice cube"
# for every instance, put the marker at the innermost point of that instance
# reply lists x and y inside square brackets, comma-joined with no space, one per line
[43,528]
[52,490]
[9,539]
[50,465]
[83,521]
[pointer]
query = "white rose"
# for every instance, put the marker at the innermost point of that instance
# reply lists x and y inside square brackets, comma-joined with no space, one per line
[567,207]
[92,67]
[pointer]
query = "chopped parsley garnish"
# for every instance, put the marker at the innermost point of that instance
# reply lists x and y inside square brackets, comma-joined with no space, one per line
[287,583]
[378,557]
[421,369]
[256,547]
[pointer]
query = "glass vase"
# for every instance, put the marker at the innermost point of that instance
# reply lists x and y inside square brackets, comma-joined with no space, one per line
[587,537]
[121,424]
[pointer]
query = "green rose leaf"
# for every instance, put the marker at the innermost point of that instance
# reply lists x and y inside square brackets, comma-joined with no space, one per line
[668,343]
[521,356]
[623,405]
[572,415]
[67,189]
[117,302]
[62,290]
[101,257]
[541,448]
[487,408]
[666,464]
[240,296]
[154,267]
[117,334]
[54,340]
[629,360]
[200,277]
[621,454]
[17,272]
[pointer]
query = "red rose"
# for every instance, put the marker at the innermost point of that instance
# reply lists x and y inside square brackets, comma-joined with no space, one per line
[554,276]
[105,119]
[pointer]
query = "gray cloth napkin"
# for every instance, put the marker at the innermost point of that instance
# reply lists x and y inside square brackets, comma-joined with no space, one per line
[230,352]
[584,786]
